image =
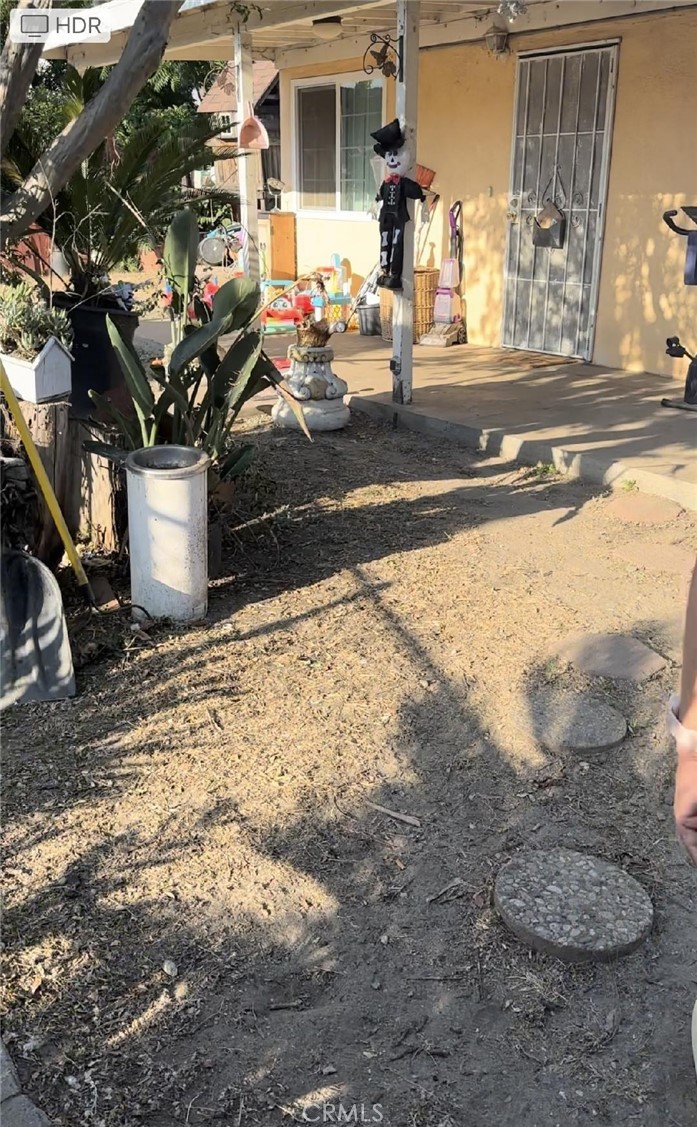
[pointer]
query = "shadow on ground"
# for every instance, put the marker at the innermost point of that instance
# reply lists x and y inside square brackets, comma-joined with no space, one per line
[208,803]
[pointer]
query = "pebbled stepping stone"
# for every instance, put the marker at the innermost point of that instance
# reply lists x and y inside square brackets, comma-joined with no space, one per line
[610,655]
[642,508]
[669,559]
[565,721]
[573,905]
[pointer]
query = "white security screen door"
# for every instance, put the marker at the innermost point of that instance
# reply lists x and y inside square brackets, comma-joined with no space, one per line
[562,129]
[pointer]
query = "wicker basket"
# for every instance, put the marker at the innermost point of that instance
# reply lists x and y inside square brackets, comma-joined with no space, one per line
[425,286]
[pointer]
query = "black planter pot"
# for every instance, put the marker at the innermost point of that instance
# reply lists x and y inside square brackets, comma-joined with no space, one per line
[95,363]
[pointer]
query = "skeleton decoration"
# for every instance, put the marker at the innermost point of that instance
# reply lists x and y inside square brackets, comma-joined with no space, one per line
[393,194]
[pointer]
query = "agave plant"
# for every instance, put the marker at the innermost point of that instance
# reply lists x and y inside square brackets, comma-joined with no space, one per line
[120,197]
[198,395]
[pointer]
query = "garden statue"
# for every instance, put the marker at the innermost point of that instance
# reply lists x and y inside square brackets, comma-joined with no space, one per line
[394,192]
[314,385]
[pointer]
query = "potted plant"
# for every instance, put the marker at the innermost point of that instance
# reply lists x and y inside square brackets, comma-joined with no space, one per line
[194,398]
[197,394]
[117,201]
[35,343]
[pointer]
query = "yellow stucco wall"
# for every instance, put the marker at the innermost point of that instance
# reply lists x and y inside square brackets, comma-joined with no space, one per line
[465,126]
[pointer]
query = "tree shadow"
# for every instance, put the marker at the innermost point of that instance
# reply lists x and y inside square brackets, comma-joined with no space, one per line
[328,951]
[350,512]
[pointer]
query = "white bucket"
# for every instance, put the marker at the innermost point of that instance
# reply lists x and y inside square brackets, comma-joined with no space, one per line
[168,532]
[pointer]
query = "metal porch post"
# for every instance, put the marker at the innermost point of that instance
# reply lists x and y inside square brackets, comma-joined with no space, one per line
[408,12]
[247,165]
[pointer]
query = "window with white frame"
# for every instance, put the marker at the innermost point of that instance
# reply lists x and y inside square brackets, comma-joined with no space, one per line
[334,118]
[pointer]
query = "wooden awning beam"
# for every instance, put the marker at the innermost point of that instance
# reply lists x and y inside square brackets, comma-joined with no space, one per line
[207,29]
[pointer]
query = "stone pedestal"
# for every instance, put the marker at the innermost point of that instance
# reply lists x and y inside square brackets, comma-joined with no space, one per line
[319,391]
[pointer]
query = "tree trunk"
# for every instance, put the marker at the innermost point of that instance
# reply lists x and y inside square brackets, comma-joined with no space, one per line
[140,59]
[18,64]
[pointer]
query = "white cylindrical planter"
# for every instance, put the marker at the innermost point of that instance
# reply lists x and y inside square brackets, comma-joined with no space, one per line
[168,531]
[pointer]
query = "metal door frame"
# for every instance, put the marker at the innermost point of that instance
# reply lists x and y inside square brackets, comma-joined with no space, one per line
[570,49]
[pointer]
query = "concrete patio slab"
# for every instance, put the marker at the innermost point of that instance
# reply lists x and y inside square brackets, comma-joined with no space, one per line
[599,424]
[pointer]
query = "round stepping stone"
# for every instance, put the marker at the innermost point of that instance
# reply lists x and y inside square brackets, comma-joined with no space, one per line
[564,721]
[572,905]
[610,655]
[642,508]
[669,559]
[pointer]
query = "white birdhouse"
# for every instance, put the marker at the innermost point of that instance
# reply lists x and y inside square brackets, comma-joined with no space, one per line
[47,376]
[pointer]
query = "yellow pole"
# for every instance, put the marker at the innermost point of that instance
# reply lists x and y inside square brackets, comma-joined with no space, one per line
[44,484]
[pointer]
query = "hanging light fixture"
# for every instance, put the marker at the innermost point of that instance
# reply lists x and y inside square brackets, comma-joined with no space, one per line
[496,39]
[327,28]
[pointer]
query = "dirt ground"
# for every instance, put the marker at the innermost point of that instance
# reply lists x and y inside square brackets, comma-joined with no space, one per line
[205,803]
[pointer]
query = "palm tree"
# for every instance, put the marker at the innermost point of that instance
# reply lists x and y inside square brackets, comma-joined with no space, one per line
[121,197]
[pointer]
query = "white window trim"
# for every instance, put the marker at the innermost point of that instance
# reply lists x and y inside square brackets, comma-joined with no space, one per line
[322,212]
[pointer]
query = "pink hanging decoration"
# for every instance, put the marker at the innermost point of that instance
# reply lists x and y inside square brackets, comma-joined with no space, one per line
[253,133]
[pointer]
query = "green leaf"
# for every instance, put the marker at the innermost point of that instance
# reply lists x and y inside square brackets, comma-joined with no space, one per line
[236,462]
[201,310]
[193,345]
[234,306]
[209,361]
[236,302]
[41,282]
[135,377]
[181,250]
[129,428]
[255,385]
[176,392]
[113,453]
[236,369]
[268,368]
[285,392]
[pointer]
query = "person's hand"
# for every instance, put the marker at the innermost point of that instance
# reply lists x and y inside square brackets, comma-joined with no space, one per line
[685,801]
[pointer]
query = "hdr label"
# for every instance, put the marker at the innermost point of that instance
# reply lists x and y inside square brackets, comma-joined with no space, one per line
[66,24]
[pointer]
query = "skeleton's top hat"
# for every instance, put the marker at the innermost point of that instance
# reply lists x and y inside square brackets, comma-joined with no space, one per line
[388,137]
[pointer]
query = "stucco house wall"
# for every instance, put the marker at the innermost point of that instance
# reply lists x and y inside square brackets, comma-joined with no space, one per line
[466,100]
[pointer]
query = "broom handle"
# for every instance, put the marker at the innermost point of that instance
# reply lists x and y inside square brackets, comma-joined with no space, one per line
[44,484]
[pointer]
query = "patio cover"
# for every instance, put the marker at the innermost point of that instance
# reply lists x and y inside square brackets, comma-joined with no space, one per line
[203,29]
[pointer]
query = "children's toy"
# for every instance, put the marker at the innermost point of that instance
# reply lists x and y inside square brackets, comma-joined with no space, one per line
[280,314]
[393,193]
[222,246]
[366,290]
